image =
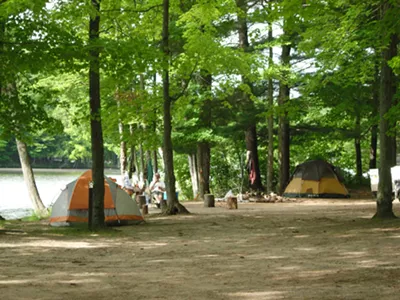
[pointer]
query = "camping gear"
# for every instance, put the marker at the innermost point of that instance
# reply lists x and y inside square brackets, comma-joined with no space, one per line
[71,206]
[316,179]
[374,179]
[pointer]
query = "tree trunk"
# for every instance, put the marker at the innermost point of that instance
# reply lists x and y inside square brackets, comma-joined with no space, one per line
[173,205]
[123,162]
[29,178]
[132,159]
[270,169]
[251,130]
[155,164]
[384,207]
[142,163]
[193,174]
[375,112]
[203,166]
[284,133]
[209,200]
[122,156]
[97,221]
[203,146]
[357,145]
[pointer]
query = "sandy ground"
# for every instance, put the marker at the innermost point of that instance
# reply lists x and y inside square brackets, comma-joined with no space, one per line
[309,250]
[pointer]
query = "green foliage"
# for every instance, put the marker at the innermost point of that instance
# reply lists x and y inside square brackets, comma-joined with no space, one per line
[44,65]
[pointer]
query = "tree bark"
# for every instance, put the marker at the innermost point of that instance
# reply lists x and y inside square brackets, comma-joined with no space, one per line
[251,130]
[155,164]
[203,146]
[375,112]
[29,178]
[173,205]
[122,153]
[194,174]
[97,221]
[132,159]
[284,134]
[270,169]
[357,145]
[209,200]
[384,207]
[142,163]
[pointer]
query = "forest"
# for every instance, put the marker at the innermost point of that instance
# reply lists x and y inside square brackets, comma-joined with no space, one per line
[200,88]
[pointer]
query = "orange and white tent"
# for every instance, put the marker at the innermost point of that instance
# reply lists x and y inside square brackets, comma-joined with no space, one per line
[71,206]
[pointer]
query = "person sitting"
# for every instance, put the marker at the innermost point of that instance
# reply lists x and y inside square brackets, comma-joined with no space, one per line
[128,187]
[157,189]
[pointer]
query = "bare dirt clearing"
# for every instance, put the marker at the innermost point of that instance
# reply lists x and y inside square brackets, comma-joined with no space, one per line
[314,249]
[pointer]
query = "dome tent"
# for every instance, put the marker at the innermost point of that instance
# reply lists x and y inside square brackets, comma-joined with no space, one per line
[316,179]
[71,206]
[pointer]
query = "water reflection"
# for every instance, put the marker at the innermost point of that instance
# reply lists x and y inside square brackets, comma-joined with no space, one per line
[14,194]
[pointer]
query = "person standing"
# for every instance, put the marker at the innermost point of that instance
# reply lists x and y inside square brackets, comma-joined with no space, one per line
[157,188]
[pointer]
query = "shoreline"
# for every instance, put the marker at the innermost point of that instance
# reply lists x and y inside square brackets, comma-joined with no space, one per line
[19,170]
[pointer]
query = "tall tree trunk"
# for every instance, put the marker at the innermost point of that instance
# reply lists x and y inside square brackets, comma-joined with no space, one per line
[284,130]
[270,169]
[173,205]
[142,163]
[10,90]
[203,146]
[132,159]
[155,162]
[251,130]
[194,174]
[203,168]
[97,220]
[123,161]
[384,207]
[357,145]
[375,112]
[29,178]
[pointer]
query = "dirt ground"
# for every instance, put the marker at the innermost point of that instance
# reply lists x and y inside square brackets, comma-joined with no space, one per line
[315,249]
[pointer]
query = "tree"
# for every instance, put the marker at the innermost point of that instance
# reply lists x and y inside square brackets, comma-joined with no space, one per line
[388,89]
[97,210]
[173,205]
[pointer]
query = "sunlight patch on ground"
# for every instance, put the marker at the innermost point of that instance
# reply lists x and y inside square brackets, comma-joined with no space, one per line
[290,268]
[15,281]
[80,281]
[150,245]
[370,263]
[316,273]
[86,274]
[264,256]
[55,244]
[157,261]
[353,254]
[385,229]
[305,249]
[345,235]
[258,295]
[208,255]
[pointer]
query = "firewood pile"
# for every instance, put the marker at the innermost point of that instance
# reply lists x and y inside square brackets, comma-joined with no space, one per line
[257,198]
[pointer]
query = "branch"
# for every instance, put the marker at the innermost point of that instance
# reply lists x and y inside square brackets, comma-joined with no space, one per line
[133,10]
[186,84]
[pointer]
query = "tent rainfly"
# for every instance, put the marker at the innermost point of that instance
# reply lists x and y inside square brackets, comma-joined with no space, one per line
[71,206]
[316,179]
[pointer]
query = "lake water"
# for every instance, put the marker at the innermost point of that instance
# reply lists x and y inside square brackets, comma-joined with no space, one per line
[14,198]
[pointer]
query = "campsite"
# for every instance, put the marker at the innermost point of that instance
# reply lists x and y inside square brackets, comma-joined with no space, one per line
[309,249]
[196,149]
